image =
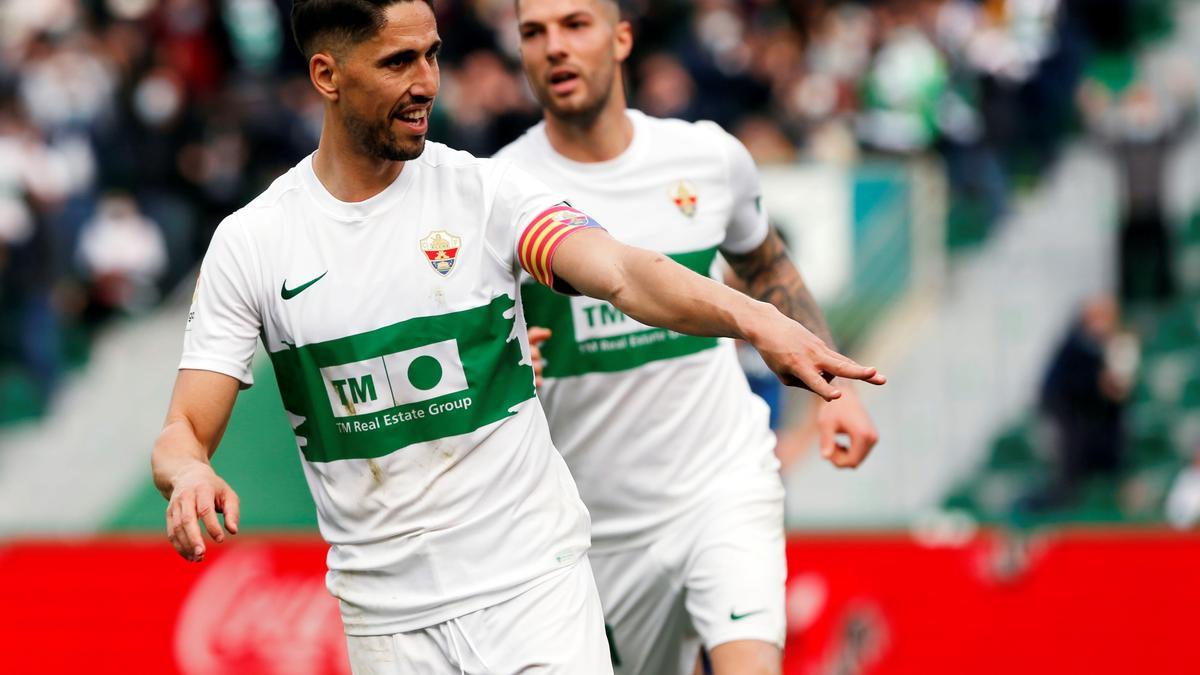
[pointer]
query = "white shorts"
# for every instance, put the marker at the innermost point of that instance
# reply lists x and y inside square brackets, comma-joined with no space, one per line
[714,575]
[555,627]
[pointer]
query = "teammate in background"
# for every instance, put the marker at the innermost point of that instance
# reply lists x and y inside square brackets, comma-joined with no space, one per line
[381,275]
[671,451]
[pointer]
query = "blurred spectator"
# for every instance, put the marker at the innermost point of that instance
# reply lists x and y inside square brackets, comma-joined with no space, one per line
[666,89]
[1083,398]
[190,107]
[122,255]
[903,88]
[488,103]
[1141,121]
[765,140]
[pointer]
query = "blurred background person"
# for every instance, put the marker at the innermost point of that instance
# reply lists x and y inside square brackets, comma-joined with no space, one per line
[122,257]
[1083,397]
[1141,122]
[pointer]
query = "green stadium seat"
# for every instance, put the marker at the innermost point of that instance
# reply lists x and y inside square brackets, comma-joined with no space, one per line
[1149,434]
[1191,231]
[1188,271]
[19,398]
[1177,329]
[1016,447]
[1190,397]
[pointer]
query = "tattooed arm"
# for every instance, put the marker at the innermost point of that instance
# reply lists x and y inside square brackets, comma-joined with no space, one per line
[767,274]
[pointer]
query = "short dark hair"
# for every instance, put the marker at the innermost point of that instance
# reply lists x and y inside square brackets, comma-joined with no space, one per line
[340,21]
[619,5]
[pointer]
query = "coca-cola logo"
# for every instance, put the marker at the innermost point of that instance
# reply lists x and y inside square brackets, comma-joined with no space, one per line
[246,616]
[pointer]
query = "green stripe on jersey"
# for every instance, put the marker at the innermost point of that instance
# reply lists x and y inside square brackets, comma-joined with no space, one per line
[370,394]
[592,336]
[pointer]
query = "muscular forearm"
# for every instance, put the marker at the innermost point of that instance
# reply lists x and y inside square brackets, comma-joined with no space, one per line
[770,276]
[657,291]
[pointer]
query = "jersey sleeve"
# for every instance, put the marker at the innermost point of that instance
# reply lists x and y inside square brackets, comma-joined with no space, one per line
[748,226]
[224,321]
[537,222]
[542,236]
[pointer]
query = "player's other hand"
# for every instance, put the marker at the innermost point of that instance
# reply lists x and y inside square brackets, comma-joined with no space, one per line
[800,359]
[537,335]
[198,494]
[846,416]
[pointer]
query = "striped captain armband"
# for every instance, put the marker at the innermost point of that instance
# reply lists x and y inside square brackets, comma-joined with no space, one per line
[541,238]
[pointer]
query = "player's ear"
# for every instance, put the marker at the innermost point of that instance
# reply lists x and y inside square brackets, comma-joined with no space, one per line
[622,40]
[323,71]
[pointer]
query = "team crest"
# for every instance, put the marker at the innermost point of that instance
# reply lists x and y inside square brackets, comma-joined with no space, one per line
[684,197]
[571,218]
[441,248]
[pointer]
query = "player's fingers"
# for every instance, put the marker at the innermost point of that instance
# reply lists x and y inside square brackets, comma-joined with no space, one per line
[861,441]
[538,335]
[826,429]
[815,382]
[179,539]
[172,529]
[851,457]
[176,510]
[206,512]
[231,506]
[844,367]
[843,460]
[190,528]
[179,548]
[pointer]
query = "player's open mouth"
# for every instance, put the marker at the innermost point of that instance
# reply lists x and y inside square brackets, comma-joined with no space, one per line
[563,82]
[416,119]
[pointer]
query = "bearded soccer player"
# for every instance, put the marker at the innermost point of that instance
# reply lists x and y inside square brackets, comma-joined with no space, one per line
[671,452]
[381,275]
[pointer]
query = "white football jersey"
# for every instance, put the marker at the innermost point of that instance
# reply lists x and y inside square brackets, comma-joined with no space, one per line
[393,329]
[650,420]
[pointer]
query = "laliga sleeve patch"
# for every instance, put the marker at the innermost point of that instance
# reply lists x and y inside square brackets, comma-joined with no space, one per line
[542,237]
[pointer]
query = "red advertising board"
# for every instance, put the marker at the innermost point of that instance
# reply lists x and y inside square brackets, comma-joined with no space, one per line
[134,606]
[1065,603]
[1079,602]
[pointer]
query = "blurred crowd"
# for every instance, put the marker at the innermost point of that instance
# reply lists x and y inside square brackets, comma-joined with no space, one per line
[129,128]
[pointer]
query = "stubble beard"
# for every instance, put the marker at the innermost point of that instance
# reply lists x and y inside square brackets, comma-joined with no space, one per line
[583,117]
[377,140]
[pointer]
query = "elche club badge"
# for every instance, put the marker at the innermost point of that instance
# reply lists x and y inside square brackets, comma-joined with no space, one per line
[683,195]
[441,249]
[570,217]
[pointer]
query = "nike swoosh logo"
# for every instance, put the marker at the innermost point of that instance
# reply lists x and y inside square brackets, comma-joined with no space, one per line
[734,616]
[288,294]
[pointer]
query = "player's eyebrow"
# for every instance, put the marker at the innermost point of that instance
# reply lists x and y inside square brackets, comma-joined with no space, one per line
[573,16]
[530,23]
[406,55]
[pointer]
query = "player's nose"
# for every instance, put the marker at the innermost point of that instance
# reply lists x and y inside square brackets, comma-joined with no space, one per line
[556,48]
[425,84]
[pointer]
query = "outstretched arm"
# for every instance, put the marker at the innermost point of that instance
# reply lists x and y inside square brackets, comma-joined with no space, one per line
[655,290]
[768,274]
[199,411]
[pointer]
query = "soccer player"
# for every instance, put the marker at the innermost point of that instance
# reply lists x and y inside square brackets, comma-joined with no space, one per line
[671,452]
[381,274]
